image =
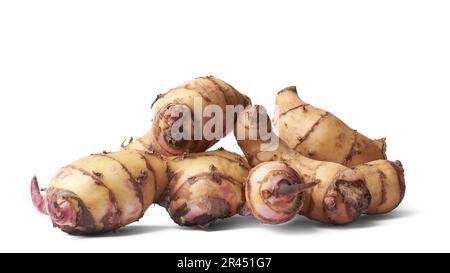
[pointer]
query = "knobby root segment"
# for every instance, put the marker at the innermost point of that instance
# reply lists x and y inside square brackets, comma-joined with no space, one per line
[341,194]
[320,135]
[386,183]
[102,192]
[205,187]
[106,191]
[178,105]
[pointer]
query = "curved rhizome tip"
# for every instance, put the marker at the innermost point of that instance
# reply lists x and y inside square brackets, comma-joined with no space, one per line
[64,208]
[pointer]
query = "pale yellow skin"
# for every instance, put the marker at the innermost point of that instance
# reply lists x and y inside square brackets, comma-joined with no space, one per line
[383,179]
[325,174]
[201,179]
[210,91]
[111,190]
[320,135]
[386,184]
[112,182]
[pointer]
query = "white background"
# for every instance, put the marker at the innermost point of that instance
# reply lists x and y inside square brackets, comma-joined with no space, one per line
[78,77]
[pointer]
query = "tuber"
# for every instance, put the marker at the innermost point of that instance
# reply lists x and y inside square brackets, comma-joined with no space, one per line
[318,167]
[386,183]
[102,192]
[320,135]
[341,194]
[205,187]
[174,104]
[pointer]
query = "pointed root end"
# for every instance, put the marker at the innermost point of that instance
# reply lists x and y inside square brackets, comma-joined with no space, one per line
[36,197]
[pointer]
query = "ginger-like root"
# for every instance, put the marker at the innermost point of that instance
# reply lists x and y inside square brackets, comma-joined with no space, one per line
[340,195]
[102,192]
[386,183]
[178,102]
[320,135]
[205,187]
[274,192]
